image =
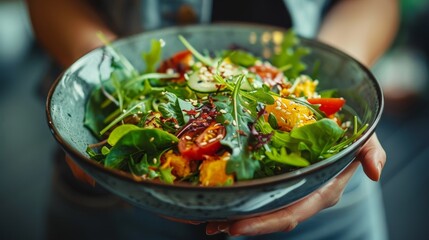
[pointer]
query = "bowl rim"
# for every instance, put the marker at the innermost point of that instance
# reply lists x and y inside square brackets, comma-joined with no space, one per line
[266,181]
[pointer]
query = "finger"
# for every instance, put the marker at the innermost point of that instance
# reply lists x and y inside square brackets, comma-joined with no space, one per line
[217,227]
[78,172]
[181,220]
[288,218]
[373,158]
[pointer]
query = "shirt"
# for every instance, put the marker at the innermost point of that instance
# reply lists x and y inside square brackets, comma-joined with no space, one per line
[127,17]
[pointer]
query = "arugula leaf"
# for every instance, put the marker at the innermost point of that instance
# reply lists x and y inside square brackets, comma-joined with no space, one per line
[143,167]
[236,121]
[141,78]
[261,95]
[207,61]
[137,107]
[348,140]
[174,107]
[120,59]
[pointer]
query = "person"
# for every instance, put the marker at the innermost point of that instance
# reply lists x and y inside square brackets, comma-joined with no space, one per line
[348,207]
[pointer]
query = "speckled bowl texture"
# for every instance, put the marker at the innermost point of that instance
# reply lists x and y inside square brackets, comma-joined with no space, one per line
[68,95]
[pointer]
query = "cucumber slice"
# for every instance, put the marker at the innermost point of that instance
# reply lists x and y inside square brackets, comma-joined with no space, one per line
[198,84]
[204,85]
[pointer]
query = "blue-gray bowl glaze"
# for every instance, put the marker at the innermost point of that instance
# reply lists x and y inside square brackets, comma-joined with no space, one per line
[68,95]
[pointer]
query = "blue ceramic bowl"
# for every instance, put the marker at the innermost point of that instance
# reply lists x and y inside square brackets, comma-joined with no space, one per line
[68,95]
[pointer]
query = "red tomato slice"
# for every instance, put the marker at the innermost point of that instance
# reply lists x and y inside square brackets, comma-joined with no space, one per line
[328,105]
[194,145]
[179,62]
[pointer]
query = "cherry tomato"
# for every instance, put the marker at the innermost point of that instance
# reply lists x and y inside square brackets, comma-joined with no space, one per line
[328,105]
[194,145]
[179,62]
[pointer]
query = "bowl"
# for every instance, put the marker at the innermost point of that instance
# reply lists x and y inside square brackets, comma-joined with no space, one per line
[69,93]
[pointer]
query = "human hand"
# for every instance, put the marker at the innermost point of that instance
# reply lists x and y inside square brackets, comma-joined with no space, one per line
[78,172]
[371,155]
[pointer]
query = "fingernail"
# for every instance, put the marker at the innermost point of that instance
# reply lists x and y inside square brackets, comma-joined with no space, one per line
[379,168]
[224,228]
[215,229]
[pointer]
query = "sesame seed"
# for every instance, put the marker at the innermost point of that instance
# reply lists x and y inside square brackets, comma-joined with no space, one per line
[170,71]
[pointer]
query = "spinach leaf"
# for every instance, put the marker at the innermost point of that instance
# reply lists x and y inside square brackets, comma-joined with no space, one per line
[283,157]
[119,132]
[141,141]
[241,58]
[318,137]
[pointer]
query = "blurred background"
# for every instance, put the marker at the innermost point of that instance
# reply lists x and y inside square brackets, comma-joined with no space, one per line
[27,147]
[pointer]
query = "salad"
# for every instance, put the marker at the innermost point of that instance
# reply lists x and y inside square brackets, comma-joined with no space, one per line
[215,118]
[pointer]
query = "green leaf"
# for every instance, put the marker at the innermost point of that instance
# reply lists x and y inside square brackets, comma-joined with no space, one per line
[241,58]
[236,122]
[105,150]
[242,164]
[144,141]
[174,107]
[137,107]
[96,113]
[259,95]
[166,175]
[152,57]
[119,59]
[272,120]
[317,137]
[290,57]
[93,155]
[142,167]
[283,157]
[207,61]
[119,132]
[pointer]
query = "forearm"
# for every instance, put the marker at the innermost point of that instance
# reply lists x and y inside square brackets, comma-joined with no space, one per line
[362,28]
[67,28]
